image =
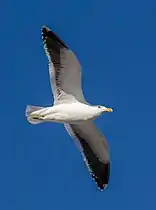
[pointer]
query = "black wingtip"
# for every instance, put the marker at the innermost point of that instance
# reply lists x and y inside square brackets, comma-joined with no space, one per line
[101,176]
[45,30]
[47,33]
[45,27]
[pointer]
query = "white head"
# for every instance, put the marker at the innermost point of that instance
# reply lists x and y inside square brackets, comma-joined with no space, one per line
[103,109]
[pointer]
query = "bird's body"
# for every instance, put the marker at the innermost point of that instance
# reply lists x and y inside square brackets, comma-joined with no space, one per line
[76,112]
[71,108]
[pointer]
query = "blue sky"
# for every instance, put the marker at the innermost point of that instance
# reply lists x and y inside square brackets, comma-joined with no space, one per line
[115,41]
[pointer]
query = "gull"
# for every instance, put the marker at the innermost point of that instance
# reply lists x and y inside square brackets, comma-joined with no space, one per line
[71,108]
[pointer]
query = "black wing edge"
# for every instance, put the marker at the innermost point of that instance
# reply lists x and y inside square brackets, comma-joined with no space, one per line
[100,171]
[47,33]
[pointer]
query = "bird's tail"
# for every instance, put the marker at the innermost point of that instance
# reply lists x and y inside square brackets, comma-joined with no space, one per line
[29,110]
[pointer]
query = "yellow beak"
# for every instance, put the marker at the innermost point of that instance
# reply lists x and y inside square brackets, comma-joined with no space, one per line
[109,110]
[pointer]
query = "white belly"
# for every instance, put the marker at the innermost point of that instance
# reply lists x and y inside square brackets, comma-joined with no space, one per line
[65,118]
[69,113]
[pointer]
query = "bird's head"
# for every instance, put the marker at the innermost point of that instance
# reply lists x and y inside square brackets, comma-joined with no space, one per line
[104,109]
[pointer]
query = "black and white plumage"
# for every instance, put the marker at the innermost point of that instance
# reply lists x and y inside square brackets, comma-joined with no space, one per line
[86,136]
[64,68]
[71,108]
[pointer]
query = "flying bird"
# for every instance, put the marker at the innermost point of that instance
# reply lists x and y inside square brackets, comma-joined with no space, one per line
[71,108]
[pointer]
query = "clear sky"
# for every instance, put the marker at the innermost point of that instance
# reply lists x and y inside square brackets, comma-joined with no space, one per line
[115,41]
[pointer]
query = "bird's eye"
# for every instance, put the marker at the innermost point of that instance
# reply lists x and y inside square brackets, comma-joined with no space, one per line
[99,106]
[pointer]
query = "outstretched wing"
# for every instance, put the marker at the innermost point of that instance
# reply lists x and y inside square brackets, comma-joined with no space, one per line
[94,149]
[64,69]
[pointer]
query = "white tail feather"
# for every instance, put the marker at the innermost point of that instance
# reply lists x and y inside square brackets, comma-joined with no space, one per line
[29,110]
